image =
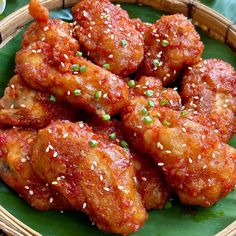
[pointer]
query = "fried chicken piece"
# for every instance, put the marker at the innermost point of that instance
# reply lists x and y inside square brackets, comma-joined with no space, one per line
[95,177]
[152,89]
[197,165]
[57,33]
[170,45]
[26,107]
[209,88]
[38,12]
[149,179]
[17,172]
[84,85]
[108,35]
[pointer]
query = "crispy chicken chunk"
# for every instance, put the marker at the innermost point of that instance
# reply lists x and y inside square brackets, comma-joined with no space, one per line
[83,85]
[17,172]
[197,165]
[209,88]
[149,179]
[55,32]
[170,45]
[108,35]
[153,90]
[94,176]
[26,107]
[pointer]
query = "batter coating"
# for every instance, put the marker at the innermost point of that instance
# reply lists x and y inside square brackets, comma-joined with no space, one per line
[149,179]
[209,89]
[17,172]
[23,106]
[197,165]
[95,177]
[84,85]
[108,35]
[170,45]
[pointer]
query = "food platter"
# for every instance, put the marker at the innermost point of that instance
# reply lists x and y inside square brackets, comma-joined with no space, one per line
[174,220]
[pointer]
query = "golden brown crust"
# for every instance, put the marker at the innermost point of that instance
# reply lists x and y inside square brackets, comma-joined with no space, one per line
[25,107]
[209,89]
[197,165]
[17,172]
[149,179]
[152,89]
[38,12]
[170,45]
[95,179]
[37,67]
[108,35]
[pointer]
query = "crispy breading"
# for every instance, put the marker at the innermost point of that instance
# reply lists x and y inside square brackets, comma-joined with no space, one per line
[25,107]
[108,36]
[84,85]
[152,89]
[149,179]
[38,12]
[17,172]
[170,45]
[197,165]
[209,89]
[95,177]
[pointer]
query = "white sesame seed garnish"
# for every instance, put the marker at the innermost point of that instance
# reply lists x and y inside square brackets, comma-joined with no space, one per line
[101,177]
[50,200]
[84,205]
[205,166]
[144,179]
[190,160]
[23,160]
[168,152]
[31,192]
[54,183]
[184,130]
[159,145]
[106,189]
[55,154]
[26,187]
[65,135]
[120,187]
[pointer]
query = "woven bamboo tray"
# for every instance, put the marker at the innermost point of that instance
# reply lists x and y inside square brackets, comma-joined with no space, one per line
[216,25]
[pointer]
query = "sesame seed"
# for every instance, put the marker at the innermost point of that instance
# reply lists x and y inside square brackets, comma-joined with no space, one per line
[84,205]
[160,164]
[184,130]
[144,179]
[106,189]
[160,146]
[55,154]
[50,200]
[26,187]
[120,187]
[23,160]
[101,177]
[31,192]
[168,152]
[54,183]
[190,160]
[199,157]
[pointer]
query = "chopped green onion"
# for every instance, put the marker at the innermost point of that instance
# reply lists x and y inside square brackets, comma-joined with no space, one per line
[124,144]
[150,103]
[106,66]
[106,117]
[165,43]
[93,143]
[77,92]
[124,42]
[168,205]
[83,69]
[131,83]
[163,102]
[147,120]
[144,111]
[184,113]
[166,123]
[112,136]
[149,93]
[52,98]
[75,67]
[156,63]
[98,94]
[79,54]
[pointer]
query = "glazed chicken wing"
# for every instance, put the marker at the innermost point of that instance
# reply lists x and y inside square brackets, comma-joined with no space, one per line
[108,35]
[209,89]
[148,176]
[26,107]
[95,177]
[17,172]
[197,165]
[170,45]
[84,85]
[152,89]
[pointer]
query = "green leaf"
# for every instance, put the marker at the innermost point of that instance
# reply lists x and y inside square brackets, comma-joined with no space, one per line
[175,220]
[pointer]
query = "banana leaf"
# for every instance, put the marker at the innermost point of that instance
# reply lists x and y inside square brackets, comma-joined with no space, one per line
[175,219]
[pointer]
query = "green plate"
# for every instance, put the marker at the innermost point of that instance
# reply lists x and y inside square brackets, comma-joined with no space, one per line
[172,221]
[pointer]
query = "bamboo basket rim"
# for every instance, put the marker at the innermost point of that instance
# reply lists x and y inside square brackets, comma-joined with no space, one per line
[217,26]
